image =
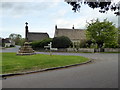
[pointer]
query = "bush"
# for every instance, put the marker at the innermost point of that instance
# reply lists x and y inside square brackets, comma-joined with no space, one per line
[61,42]
[45,42]
[83,44]
[41,44]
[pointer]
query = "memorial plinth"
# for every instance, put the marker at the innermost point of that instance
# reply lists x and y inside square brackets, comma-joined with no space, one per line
[26,49]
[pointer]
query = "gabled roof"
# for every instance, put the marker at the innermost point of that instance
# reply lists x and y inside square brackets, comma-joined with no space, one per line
[33,36]
[6,40]
[73,34]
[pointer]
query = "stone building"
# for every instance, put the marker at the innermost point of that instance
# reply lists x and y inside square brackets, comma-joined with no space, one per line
[33,36]
[75,35]
[7,42]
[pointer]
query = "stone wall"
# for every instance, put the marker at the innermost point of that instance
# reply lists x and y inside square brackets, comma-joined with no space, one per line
[112,50]
[80,49]
[87,50]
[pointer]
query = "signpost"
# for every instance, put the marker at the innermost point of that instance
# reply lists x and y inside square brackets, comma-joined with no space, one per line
[50,46]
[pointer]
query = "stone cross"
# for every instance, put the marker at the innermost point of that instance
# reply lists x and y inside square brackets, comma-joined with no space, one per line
[26,31]
[26,23]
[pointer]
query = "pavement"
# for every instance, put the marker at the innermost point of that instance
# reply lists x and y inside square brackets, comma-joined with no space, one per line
[102,73]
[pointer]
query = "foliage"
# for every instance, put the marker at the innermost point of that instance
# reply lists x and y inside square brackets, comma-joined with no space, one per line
[119,36]
[13,64]
[104,5]
[16,38]
[41,44]
[83,44]
[102,32]
[61,42]
[111,45]
[22,41]
[87,44]
[35,44]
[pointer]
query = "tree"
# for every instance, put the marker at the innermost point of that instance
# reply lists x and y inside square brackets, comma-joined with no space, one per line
[16,37]
[119,36]
[104,5]
[102,32]
[61,42]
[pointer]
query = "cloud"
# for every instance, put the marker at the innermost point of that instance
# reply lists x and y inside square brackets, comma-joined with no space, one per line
[22,8]
[30,0]
[79,23]
[79,20]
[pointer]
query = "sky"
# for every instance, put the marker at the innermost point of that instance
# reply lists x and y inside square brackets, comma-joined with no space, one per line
[43,15]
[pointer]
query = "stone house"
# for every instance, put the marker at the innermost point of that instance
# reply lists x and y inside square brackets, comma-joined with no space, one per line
[75,35]
[8,42]
[34,36]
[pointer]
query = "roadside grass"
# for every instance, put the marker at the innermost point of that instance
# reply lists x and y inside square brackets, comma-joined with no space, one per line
[11,63]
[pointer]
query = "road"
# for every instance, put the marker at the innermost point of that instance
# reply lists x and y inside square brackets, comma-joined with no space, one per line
[13,49]
[102,73]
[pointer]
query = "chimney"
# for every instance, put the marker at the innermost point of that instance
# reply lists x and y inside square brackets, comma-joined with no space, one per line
[55,27]
[73,27]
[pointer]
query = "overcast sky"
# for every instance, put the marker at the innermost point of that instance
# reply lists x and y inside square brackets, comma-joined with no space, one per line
[43,15]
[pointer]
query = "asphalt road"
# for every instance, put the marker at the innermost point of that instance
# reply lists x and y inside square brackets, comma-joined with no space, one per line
[13,49]
[102,73]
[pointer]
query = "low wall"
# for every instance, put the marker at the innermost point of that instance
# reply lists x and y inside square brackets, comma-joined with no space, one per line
[111,49]
[62,50]
[84,50]
[80,49]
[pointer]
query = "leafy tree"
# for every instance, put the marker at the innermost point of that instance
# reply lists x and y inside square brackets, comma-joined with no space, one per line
[102,32]
[104,5]
[88,43]
[16,37]
[61,42]
[119,36]
[111,45]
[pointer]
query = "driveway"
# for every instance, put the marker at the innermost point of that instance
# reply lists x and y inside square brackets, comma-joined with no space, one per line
[102,73]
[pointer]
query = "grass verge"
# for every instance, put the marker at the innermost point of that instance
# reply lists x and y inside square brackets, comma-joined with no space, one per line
[11,63]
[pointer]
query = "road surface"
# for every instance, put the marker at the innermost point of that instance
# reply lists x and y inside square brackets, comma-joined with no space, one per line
[102,73]
[13,49]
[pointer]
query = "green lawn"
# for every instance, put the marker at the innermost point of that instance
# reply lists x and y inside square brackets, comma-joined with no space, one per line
[11,63]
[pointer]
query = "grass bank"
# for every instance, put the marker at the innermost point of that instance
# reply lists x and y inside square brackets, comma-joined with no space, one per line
[11,63]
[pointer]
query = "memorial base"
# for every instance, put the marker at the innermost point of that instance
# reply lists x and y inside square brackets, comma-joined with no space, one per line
[26,49]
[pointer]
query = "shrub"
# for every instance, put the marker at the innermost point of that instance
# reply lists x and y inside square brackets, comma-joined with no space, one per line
[45,42]
[40,44]
[61,42]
